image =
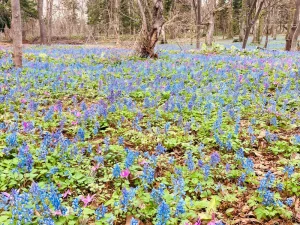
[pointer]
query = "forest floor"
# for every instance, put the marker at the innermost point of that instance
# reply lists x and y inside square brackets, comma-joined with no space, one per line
[93,135]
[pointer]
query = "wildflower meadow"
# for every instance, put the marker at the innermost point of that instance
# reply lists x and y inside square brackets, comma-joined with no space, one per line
[92,135]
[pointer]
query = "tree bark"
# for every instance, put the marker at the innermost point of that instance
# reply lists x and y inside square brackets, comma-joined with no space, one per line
[17,32]
[243,20]
[230,21]
[198,18]
[211,24]
[290,36]
[149,38]
[163,34]
[117,21]
[267,30]
[41,22]
[49,21]
[251,22]
[294,46]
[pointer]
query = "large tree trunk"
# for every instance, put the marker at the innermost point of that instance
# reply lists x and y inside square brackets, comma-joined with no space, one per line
[251,22]
[16,32]
[149,37]
[289,39]
[41,22]
[211,24]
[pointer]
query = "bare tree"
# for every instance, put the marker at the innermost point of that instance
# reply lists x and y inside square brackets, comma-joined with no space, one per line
[17,32]
[292,35]
[41,22]
[149,37]
[250,21]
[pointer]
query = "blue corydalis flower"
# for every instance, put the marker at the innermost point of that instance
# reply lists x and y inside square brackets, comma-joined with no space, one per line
[100,212]
[289,170]
[80,134]
[163,214]
[214,158]
[116,171]
[160,149]
[11,140]
[189,161]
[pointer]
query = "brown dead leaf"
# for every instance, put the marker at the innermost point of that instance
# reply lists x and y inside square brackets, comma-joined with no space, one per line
[245,221]
[128,220]
[262,134]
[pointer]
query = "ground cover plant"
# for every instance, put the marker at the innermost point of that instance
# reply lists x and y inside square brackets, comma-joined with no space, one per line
[95,136]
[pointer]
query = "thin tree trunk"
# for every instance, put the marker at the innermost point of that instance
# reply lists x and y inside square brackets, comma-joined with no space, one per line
[291,33]
[41,22]
[294,45]
[274,24]
[49,21]
[250,22]
[117,21]
[17,32]
[198,17]
[267,30]
[243,20]
[230,21]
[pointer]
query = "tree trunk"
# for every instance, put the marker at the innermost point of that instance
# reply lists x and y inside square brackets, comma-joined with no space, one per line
[163,34]
[251,22]
[198,18]
[117,21]
[274,24]
[16,32]
[289,39]
[41,22]
[243,21]
[230,21]
[49,21]
[211,24]
[149,38]
[267,30]
[294,45]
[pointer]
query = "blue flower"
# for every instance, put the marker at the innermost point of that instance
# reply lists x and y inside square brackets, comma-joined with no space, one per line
[206,170]
[100,212]
[268,198]
[214,158]
[189,161]
[134,221]
[160,149]
[241,180]
[116,171]
[289,170]
[163,214]
[289,202]
[80,134]
[248,165]
[11,140]
[180,208]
